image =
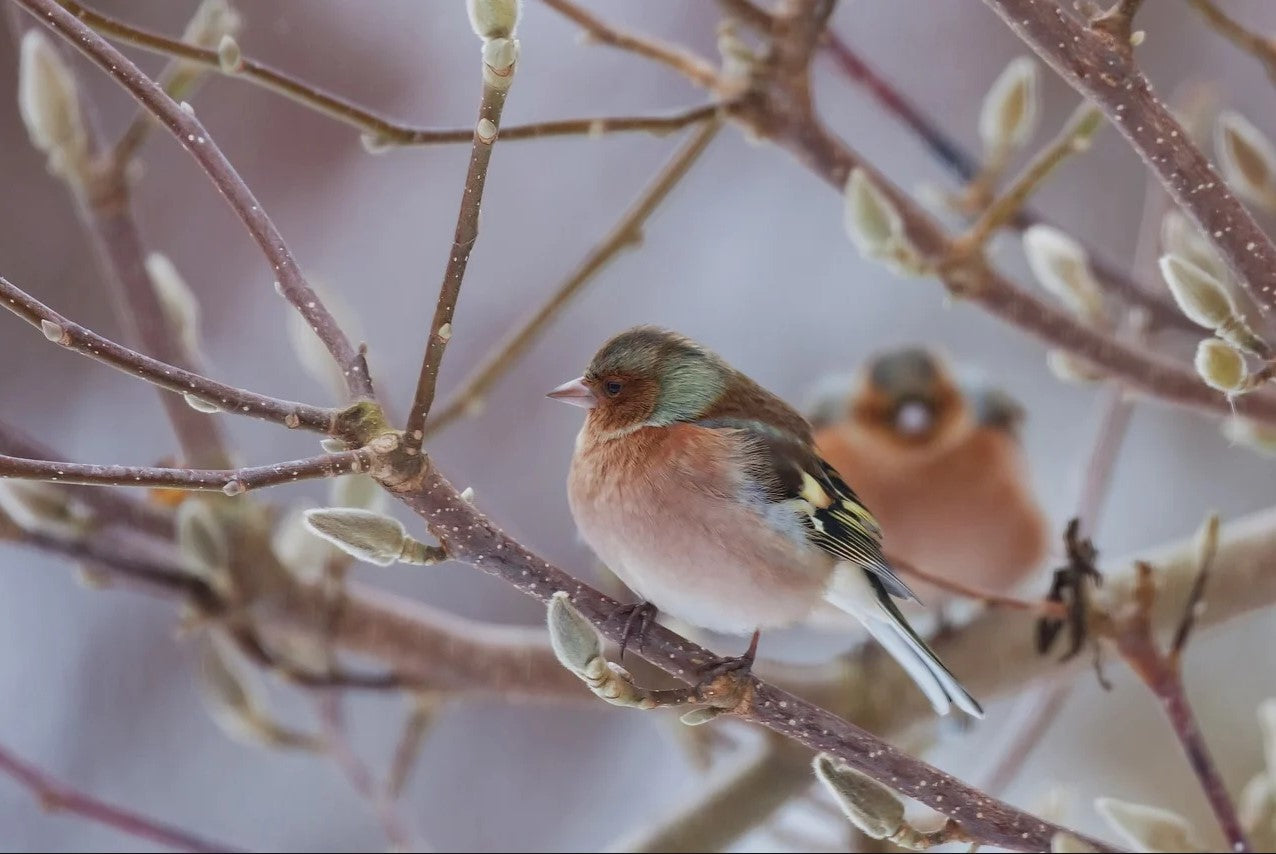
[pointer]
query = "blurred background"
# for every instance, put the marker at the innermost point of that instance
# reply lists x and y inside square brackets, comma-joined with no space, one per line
[748,256]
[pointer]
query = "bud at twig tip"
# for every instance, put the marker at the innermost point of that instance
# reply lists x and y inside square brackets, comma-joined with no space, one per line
[1221,366]
[1062,266]
[229,56]
[50,107]
[493,19]
[1010,110]
[1246,158]
[369,536]
[574,639]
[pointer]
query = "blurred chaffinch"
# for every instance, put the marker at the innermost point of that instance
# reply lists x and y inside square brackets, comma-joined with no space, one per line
[940,465]
[705,494]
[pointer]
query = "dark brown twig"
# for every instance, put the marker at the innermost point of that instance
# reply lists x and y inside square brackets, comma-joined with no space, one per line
[192,136]
[229,481]
[626,232]
[71,335]
[1263,49]
[58,797]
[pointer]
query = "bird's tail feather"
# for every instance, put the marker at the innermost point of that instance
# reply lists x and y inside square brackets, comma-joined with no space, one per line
[855,591]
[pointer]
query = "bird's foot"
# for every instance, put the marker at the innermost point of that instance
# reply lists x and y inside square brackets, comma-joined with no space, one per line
[637,618]
[726,684]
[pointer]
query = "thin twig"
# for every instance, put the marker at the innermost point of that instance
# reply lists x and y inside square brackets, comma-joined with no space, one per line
[422,714]
[1262,48]
[1103,70]
[965,167]
[1073,139]
[1026,730]
[627,232]
[381,130]
[496,85]
[1196,596]
[192,136]
[358,773]
[72,336]
[58,797]
[987,597]
[1135,640]
[230,481]
[687,64]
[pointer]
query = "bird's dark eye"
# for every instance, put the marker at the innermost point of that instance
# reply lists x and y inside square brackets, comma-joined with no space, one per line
[613,387]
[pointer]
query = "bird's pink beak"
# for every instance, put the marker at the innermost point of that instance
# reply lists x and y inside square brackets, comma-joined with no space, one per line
[576,393]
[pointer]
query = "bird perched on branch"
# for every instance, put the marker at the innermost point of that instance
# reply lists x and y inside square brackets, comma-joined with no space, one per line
[941,466]
[705,494]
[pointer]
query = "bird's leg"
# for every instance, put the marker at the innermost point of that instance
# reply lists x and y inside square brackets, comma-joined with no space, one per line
[723,684]
[638,617]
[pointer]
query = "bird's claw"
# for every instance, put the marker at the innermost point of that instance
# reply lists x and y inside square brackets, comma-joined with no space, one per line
[638,617]
[726,683]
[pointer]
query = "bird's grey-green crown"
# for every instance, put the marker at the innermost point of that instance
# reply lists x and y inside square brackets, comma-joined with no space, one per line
[690,377]
[910,372]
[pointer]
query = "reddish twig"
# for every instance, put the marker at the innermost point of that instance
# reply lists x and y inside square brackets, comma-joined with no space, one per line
[74,337]
[55,796]
[1102,69]
[229,481]
[1161,672]
[991,599]
[1262,48]
[192,136]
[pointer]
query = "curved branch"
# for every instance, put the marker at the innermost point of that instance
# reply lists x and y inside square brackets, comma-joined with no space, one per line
[192,136]
[71,335]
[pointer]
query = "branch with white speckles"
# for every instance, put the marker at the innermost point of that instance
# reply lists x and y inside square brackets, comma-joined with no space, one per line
[229,481]
[1101,66]
[195,138]
[201,392]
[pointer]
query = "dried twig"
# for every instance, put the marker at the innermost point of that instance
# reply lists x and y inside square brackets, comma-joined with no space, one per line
[192,135]
[229,481]
[211,393]
[496,85]
[987,597]
[626,232]
[1102,69]
[55,796]
[383,131]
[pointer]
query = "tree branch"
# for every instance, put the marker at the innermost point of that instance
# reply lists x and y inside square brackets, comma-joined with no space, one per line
[71,335]
[689,65]
[471,538]
[380,130]
[229,481]
[627,232]
[192,135]
[55,797]
[1118,283]
[1263,49]
[1102,69]
[496,84]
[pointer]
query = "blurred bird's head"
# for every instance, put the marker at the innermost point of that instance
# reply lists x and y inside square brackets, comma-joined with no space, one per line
[646,377]
[905,396]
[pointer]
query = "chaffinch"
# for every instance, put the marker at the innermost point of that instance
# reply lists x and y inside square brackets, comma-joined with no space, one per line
[941,466]
[705,494]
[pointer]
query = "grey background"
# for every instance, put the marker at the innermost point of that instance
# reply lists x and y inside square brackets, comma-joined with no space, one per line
[749,256]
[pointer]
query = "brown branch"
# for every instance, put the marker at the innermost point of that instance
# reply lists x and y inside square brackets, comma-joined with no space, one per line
[58,797]
[1102,69]
[380,130]
[689,65]
[71,335]
[192,135]
[1118,283]
[108,506]
[408,749]
[987,597]
[1262,48]
[1118,21]
[496,84]
[230,481]
[471,538]
[1135,640]
[1026,731]
[627,232]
